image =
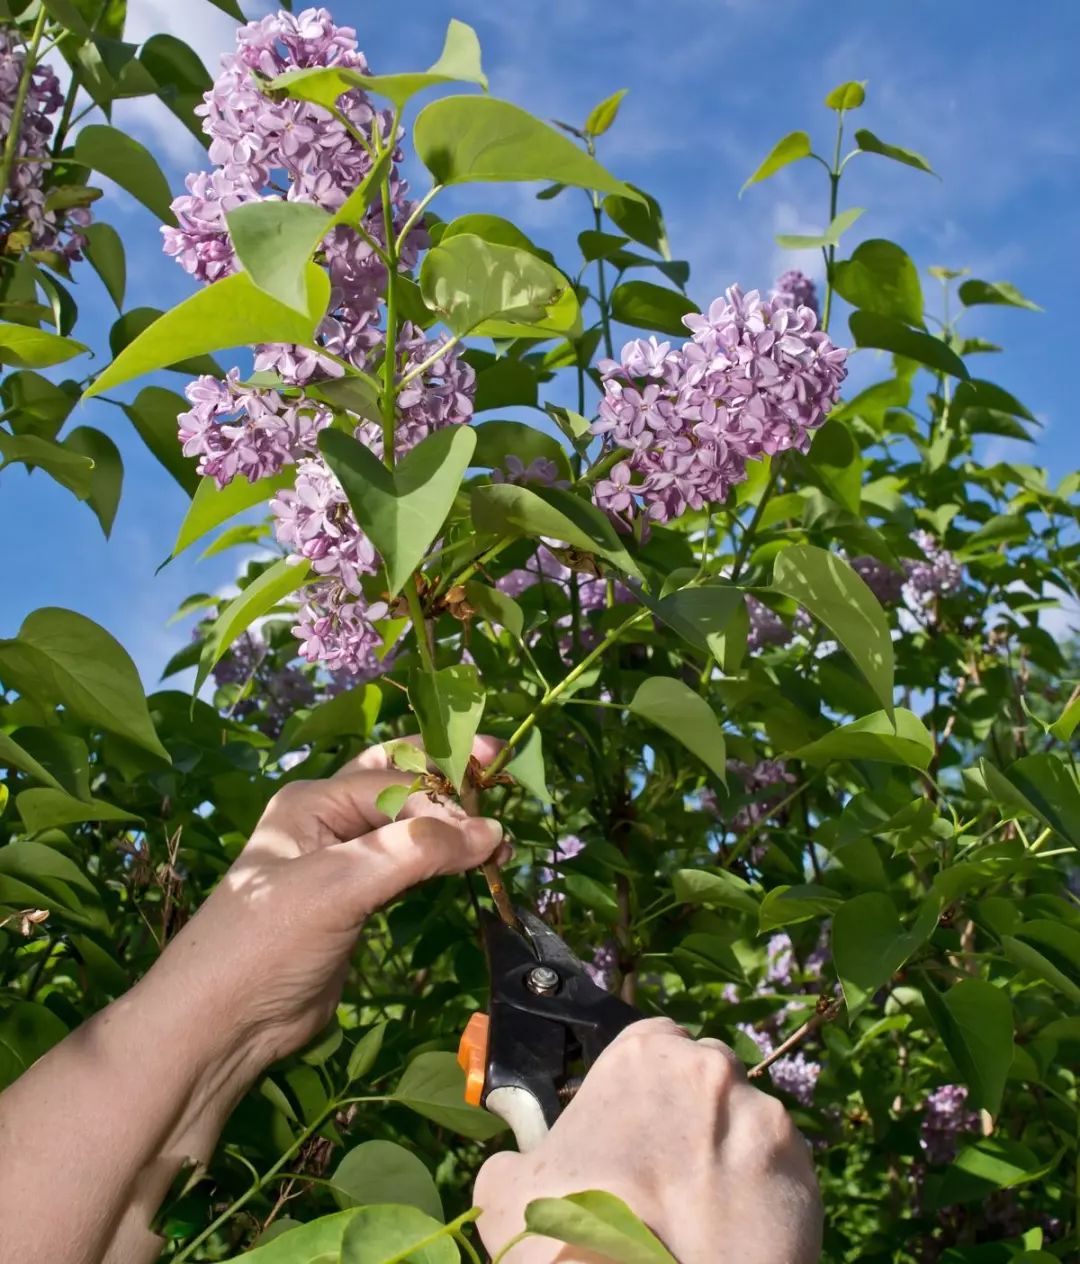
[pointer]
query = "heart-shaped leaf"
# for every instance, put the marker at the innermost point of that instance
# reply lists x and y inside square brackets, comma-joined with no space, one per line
[674,707]
[448,703]
[402,509]
[869,944]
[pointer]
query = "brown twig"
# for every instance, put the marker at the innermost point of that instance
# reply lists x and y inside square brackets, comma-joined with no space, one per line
[826,1011]
[470,801]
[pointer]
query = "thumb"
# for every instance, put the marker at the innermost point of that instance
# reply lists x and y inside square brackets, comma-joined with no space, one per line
[378,866]
[500,1195]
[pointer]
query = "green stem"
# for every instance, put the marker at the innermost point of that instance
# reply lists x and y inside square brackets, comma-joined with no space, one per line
[11,145]
[416,212]
[834,193]
[748,534]
[388,401]
[601,276]
[256,1186]
[416,613]
[468,1248]
[556,691]
[509,1246]
[464,576]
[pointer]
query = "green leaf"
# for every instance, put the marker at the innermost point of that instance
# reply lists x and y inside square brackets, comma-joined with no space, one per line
[257,599]
[597,1221]
[825,585]
[700,614]
[402,509]
[788,906]
[875,739]
[364,1053]
[241,535]
[63,657]
[883,332]
[43,809]
[975,1022]
[975,393]
[463,139]
[275,240]
[489,290]
[793,147]
[349,714]
[105,251]
[491,228]
[434,1086]
[395,1235]
[106,476]
[527,767]
[835,463]
[137,321]
[71,469]
[496,440]
[391,799]
[603,115]
[870,144]
[382,1172]
[213,505]
[714,888]
[880,277]
[448,705]
[180,77]
[973,293]
[674,707]
[505,508]
[232,312]
[830,237]
[316,1243]
[1065,725]
[848,96]
[29,348]
[14,755]
[34,404]
[640,218]
[496,607]
[869,945]
[27,1031]
[1031,958]
[594,895]
[131,165]
[597,245]
[647,306]
[1042,786]
[459,62]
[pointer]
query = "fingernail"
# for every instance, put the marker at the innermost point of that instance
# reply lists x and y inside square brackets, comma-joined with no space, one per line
[482,831]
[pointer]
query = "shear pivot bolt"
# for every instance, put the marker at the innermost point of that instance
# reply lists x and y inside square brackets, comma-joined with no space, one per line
[542,980]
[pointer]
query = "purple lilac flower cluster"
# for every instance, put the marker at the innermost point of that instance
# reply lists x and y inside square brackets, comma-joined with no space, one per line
[794,1073]
[946,1119]
[604,965]
[25,210]
[796,289]
[767,775]
[886,583]
[281,690]
[767,628]
[566,849]
[756,378]
[936,574]
[263,147]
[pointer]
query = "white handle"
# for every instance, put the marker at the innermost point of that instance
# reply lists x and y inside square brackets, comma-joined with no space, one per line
[517,1107]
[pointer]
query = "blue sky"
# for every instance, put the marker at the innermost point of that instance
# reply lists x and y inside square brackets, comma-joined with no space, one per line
[984,89]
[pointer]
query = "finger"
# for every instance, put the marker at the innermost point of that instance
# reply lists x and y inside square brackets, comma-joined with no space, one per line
[484,749]
[306,815]
[383,863]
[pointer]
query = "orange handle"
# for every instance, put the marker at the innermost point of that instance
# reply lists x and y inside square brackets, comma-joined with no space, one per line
[472,1057]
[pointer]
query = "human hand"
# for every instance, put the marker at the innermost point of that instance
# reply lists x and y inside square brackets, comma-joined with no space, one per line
[267,954]
[672,1127]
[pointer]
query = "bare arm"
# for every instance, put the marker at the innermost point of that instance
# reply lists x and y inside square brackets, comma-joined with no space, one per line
[94,1133]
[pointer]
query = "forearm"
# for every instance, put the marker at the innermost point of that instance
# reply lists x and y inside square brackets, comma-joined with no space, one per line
[93,1134]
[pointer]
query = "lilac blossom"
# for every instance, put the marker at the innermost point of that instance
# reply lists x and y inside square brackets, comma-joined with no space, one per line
[766,627]
[604,966]
[794,1073]
[236,430]
[314,521]
[936,574]
[780,960]
[340,633]
[540,470]
[946,1118]
[885,582]
[797,290]
[25,212]
[565,849]
[767,775]
[756,378]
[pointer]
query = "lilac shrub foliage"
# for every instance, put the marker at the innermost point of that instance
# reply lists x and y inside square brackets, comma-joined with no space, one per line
[778,797]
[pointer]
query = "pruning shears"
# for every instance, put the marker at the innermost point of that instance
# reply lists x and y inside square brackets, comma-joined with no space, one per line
[547,1023]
